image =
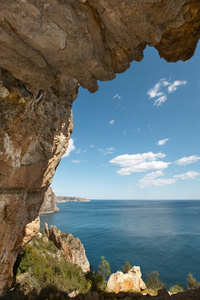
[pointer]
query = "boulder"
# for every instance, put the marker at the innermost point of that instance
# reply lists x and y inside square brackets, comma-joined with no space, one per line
[131,281]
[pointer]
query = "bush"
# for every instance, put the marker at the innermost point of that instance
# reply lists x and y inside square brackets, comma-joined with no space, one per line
[191,282]
[126,267]
[177,288]
[45,270]
[104,268]
[97,281]
[153,281]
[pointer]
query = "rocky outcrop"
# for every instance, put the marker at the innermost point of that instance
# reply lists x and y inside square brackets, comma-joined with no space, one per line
[131,281]
[49,205]
[49,48]
[162,295]
[72,247]
[62,199]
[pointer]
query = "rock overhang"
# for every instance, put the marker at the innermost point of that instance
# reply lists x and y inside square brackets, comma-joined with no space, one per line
[49,48]
[46,43]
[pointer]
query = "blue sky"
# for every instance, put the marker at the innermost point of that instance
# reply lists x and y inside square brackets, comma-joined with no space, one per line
[137,137]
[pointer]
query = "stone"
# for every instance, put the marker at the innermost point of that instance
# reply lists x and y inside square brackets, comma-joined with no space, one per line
[131,281]
[48,49]
[49,205]
[72,247]
[73,294]
[31,230]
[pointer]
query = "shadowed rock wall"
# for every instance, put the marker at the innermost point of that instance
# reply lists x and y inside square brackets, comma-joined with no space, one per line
[49,48]
[49,205]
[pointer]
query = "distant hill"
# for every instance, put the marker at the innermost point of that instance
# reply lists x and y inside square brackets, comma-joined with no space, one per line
[61,199]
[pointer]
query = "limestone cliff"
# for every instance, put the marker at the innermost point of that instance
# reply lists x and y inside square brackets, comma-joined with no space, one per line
[49,205]
[49,48]
[72,247]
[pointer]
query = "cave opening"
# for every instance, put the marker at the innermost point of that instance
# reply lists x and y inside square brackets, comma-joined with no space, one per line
[129,145]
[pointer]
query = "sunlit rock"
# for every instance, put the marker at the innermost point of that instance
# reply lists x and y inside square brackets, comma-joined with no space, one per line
[131,281]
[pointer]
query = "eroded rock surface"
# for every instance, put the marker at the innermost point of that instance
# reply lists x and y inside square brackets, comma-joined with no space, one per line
[49,205]
[72,247]
[43,42]
[34,134]
[131,281]
[49,48]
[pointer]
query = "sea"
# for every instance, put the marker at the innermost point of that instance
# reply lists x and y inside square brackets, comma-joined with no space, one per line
[157,235]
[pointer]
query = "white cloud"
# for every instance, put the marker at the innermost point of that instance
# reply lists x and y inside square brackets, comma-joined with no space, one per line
[174,85]
[124,132]
[76,161]
[70,148]
[139,162]
[155,91]
[78,151]
[117,96]
[187,175]
[161,88]
[152,179]
[111,122]
[160,100]
[187,160]
[162,142]
[107,150]
[139,129]
[110,149]
[144,167]
[91,146]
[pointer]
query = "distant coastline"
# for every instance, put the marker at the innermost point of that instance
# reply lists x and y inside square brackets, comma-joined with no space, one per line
[62,199]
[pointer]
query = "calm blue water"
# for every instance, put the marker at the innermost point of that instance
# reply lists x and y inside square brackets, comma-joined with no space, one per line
[156,235]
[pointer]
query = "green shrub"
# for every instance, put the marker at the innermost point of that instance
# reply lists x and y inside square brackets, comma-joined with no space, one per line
[126,267]
[177,288]
[191,282]
[153,281]
[97,281]
[104,268]
[46,270]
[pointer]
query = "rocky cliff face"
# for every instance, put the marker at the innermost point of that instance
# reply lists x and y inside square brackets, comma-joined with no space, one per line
[49,205]
[131,281]
[72,247]
[49,48]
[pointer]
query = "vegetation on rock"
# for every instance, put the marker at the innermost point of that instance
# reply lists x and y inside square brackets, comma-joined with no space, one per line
[126,267]
[177,288]
[47,266]
[153,281]
[191,282]
[42,272]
